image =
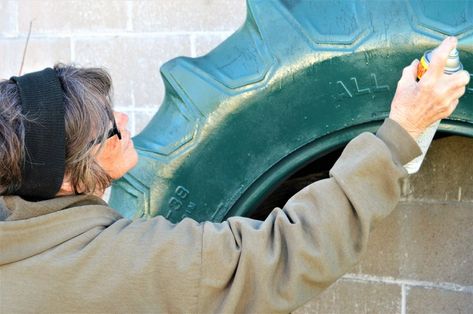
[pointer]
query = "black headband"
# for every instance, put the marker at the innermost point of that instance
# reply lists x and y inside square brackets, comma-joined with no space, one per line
[42,100]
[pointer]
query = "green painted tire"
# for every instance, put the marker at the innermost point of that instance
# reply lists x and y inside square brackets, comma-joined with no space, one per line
[298,80]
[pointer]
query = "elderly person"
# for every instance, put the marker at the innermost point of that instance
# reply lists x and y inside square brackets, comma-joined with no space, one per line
[62,249]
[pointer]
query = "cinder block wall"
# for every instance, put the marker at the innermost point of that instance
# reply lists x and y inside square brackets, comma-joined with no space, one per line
[420,259]
[132,39]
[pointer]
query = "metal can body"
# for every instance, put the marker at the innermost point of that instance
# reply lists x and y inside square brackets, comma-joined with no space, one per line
[453,63]
[424,64]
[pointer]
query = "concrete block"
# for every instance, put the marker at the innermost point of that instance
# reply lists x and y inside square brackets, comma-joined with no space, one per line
[72,16]
[435,301]
[205,43]
[355,297]
[8,16]
[41,53]
[134,64]
[385,252]
[446,172]
[188,15]
[436,241]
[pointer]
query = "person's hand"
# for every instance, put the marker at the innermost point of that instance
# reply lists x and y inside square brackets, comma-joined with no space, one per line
[417,105]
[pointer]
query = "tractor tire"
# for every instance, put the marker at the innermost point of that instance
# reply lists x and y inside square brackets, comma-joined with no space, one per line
[296,82]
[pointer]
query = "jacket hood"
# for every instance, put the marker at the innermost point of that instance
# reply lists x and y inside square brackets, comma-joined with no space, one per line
[30,228]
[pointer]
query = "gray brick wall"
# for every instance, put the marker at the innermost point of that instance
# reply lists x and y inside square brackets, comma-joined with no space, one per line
[419,259]
[132,39]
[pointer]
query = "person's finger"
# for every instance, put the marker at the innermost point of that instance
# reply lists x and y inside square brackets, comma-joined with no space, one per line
[454,85]
[458,93]
[453,105]
[440,57]
[458,79]
[462,78]
[409,73]
[447,109]
[413,68]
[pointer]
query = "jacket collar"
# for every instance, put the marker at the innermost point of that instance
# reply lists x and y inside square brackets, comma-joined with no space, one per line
[16,208]
[30,228]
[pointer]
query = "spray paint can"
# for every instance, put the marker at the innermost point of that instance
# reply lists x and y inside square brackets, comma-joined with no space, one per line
[425,139]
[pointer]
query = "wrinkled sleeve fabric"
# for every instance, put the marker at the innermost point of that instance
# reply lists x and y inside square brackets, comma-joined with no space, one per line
[276,265]
[101,262]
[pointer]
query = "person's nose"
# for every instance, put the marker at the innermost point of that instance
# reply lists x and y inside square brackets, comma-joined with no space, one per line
[121,119]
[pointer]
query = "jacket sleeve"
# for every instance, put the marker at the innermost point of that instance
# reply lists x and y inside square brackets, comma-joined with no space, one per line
[276,265]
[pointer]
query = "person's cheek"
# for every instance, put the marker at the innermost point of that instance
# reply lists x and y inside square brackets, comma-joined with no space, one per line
[114,146]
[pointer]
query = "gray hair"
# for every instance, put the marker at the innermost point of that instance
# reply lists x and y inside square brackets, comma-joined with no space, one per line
[88,113]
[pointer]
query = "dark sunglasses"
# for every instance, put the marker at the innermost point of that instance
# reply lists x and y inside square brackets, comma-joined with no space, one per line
[114,130]
[111,133]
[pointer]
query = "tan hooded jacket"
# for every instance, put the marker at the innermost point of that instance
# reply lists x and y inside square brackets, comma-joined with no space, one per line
[75,254]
